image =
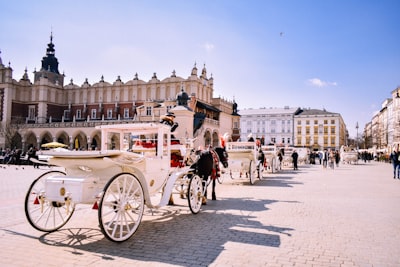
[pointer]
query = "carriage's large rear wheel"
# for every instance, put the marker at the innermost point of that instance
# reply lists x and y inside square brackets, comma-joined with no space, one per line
[42,214]
[252,172]
[121,207]
[195,193]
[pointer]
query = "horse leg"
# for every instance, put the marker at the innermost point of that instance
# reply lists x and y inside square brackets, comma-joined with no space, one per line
[204,200]
[214,197]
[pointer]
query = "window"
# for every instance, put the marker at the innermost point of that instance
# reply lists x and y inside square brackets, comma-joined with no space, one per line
[298,130]
[78,114]
[332,121]
[325,121]
[298,122]
[332,141]
[333,130]
[288,140]
[307,122]
[148,111]
[315,121]
[32,113]
[93,114]
[126,113]
[273,140]
[325,129]
[109,113]
[307,130]
[66,114]
[283,140]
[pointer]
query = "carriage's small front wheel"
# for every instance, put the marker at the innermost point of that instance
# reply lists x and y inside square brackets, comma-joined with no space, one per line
[195,193]
[121,207]
[43,214]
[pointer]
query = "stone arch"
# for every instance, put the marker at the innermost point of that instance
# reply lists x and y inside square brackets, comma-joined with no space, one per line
[215,139]
[207,138]
[96,141]
[16,141]
[45,137]
[79,141]
[63,138]
[113,141]
[30,140]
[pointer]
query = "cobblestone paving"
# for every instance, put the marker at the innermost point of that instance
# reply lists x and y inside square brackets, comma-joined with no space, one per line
[349,216]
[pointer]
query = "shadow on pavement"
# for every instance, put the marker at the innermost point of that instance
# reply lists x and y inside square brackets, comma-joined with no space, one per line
[179,237]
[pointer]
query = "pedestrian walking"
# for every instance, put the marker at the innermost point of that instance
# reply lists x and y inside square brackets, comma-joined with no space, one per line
[325,159]
[394,158]
[295,157]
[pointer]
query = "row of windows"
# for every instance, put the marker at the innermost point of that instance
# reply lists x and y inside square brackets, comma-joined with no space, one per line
[309,139]
[318,130]
[315,122]
[272,122]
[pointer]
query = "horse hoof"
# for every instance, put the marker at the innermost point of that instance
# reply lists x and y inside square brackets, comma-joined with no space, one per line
[182,196]
[214,197]
[204,201]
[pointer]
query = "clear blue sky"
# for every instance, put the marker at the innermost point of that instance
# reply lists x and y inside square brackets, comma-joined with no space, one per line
[341,55]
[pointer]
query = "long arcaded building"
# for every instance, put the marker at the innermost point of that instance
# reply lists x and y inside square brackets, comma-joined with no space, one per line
[46,110]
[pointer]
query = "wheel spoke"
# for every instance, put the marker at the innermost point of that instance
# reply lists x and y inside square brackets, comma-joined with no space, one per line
[43,214]
[121,207]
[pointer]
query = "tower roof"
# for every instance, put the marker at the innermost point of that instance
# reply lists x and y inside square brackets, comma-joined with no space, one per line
[50,62]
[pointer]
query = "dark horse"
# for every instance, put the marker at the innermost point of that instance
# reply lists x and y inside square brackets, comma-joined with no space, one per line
[207,166]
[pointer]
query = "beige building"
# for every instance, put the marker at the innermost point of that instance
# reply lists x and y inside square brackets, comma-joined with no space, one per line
[382,133]
[319,129]
[46,110]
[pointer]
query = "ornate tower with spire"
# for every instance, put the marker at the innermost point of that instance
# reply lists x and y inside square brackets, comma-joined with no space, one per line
[49,67]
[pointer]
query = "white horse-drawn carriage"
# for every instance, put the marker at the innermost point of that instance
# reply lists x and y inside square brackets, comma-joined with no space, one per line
[116,182]
[243,161]
[348,155]
[271,158]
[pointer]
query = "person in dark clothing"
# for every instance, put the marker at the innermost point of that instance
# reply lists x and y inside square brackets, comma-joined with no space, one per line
[295,157]
[394,158]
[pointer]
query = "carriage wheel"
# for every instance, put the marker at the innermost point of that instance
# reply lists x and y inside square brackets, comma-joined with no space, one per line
[272,165]
[260,170]
[121,207]
[42,214]
[252,172]
[195,193]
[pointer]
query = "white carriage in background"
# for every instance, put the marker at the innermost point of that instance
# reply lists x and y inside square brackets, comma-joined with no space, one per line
[287,160]
[348,155]
[117,183]
[243,161]
[271,158]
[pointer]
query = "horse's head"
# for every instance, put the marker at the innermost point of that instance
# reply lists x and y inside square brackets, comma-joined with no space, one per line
[223,156]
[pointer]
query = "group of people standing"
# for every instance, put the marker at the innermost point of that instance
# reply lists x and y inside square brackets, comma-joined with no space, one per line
[330,157]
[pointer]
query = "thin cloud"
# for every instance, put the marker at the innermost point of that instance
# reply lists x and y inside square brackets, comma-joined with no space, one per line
[208,46]
[320,83]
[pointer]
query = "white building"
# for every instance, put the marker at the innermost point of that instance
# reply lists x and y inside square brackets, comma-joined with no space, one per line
[274,125]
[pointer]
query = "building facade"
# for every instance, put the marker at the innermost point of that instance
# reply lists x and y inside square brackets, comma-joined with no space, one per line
[273,125]
[46,110]
[382,133]
[319,129]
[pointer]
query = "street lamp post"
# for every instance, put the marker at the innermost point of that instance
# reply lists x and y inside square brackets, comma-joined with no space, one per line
[357,135]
